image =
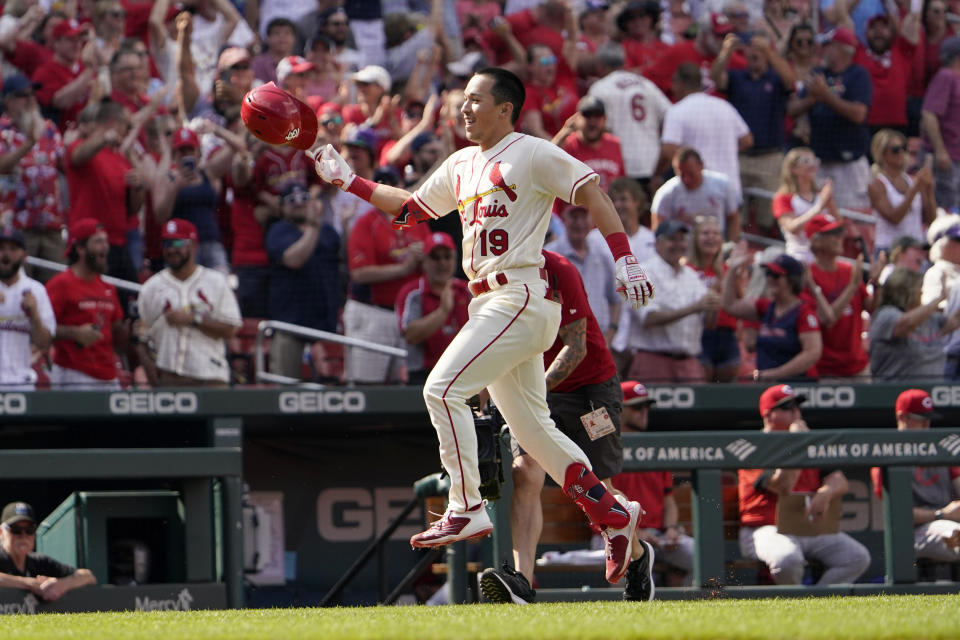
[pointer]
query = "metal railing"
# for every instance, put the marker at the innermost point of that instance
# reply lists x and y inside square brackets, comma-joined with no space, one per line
[850,214]
[50,265]
[262,375]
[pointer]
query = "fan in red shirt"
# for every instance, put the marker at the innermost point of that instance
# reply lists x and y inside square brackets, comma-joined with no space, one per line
[702,52]
[889,60]
[432,309]
[584,137]
[544,25]
[550,100]
[103,185]
[88,313]
[64,81]
[654,490]
[842,285]
[844,558]
[641,41]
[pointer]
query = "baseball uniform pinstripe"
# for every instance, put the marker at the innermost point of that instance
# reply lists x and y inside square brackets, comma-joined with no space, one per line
[504,196]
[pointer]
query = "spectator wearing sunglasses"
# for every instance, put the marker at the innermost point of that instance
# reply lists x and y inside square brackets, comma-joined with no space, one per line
[550,100]
[431,310]
[303,253]
[189,312]
[903,205]
[22,568]
[844,558]
[788,340]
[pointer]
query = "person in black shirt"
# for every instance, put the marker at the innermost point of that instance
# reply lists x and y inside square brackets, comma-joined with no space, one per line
[22,568]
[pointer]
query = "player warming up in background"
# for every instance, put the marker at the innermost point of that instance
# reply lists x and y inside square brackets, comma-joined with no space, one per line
[504,190]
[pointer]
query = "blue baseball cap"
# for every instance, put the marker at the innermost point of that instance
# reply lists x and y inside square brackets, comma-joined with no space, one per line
[16,82]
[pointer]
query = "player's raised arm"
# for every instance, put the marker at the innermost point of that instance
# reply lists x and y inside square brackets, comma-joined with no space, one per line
[634,287]
[332,168]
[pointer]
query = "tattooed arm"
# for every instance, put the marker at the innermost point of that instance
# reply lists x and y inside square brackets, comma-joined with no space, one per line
[574,338]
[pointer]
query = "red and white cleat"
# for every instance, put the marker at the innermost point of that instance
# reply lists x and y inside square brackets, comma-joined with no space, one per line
[619,542]
[455,526]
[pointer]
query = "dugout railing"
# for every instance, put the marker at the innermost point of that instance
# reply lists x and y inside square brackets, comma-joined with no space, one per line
[706,454]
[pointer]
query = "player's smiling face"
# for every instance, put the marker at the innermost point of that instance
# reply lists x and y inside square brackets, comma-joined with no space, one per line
[484,119]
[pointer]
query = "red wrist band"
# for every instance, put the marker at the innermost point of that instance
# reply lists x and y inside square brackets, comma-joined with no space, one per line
[619,245]
[363,188]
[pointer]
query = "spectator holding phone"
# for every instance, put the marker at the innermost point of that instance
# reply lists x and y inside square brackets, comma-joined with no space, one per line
[192,195]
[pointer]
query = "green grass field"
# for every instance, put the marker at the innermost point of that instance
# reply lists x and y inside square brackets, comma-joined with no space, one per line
[840,617]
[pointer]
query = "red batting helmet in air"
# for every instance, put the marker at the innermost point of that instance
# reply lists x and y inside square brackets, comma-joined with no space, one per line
[276,117]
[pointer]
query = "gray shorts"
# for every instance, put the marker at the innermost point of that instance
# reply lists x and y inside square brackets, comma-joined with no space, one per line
[606,453]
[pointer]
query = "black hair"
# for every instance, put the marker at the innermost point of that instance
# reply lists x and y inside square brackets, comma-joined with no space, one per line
[108,111]
[507,87]
[281,22]
[685,153]
[795,280]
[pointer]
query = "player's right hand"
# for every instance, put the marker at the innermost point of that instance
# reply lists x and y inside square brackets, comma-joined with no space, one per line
[331,167]
[633,284]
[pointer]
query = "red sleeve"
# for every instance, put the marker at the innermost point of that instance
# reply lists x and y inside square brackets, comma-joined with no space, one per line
[521,21]
[117,309]
[48,86]
[28,56]
[565,279]
[361,244]
[138,16]
[954,472]
[782,203]
[876,478]
[807,319]
[667,482]
[57,300]
[761,305]
[352,113]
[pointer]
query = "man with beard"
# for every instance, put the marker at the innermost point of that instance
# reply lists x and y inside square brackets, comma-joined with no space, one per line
[303,253]
[584,137]
[25,315]
[189,312]
[88,313]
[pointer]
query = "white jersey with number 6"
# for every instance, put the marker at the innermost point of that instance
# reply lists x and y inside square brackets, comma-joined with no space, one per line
[635,108]
[504,203]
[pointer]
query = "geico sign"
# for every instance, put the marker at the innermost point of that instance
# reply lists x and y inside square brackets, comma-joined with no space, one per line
[323,402]
[673,397]
[159,402]
[826,397]
[945,396]
[13,404]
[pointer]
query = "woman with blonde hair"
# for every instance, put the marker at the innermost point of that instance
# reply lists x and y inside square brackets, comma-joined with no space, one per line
[902,205]
[799,199]
[907,338]
[720,355]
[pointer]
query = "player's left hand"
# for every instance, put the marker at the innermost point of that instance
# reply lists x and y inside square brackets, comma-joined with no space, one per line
[331,166]
[633,285]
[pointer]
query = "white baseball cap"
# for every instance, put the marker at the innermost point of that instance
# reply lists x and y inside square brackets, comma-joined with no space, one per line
[374,74]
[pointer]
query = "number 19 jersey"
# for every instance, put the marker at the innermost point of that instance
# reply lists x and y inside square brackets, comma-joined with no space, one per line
[504,196]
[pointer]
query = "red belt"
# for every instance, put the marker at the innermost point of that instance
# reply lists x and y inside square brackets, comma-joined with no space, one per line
[481,286]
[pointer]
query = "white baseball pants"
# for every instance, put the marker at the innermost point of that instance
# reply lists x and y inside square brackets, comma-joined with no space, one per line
[501,347]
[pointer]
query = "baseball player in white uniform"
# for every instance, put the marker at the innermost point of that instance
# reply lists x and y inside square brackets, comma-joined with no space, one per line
[25,315]
[189,311]
[504,190]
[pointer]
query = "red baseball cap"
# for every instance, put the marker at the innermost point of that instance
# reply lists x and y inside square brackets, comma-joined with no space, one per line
[185,138]
[777,395]
[842,35]
[292,64]
[821,223]
[439,239]
[69,29]
[917,402]
[720,24]
[179,229]
[635,393]
[80,230]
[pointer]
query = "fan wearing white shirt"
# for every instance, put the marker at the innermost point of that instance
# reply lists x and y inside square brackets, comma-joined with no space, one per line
[26,316]
[710,125]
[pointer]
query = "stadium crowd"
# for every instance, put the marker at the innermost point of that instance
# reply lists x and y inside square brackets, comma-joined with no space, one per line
[788,174]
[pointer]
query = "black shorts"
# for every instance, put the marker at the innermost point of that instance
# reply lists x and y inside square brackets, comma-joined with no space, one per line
[605,454]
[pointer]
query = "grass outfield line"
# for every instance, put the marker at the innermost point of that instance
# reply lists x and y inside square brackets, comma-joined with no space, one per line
[869,618]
